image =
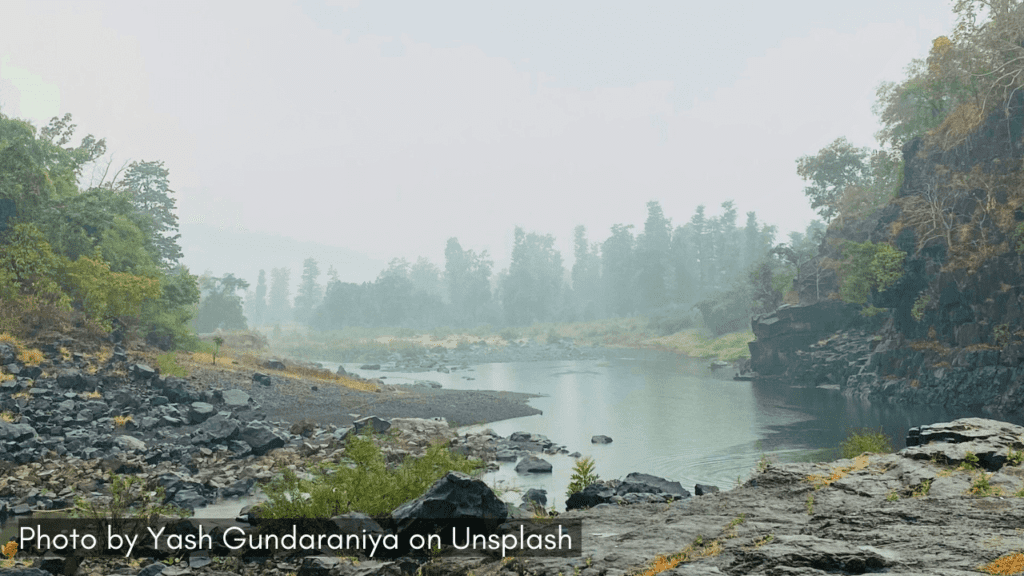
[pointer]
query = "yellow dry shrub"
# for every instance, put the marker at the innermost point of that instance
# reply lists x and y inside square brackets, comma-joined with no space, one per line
[30,356]
[960,123]
[7,338]
[820,480]
[1006,565]
[9,549]
[121,421]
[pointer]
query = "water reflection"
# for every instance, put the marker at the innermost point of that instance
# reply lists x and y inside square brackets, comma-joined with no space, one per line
[672,416]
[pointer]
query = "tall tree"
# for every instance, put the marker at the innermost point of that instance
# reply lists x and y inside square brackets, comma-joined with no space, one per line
[586,274]
[221,306]
[829,173]
[150,193]
[532,290]
[653,257]
[467,275]
[309,293]
[279,309]
[619,270]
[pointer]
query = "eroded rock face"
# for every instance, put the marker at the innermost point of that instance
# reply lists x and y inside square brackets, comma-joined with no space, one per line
[791,328]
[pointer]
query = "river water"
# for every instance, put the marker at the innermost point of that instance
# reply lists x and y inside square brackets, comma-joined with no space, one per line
[670,416]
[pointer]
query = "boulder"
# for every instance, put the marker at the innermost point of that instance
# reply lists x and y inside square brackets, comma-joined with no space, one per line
[199,412]
[533,465]
[589,497]
[536,496]
[12,432]
[304,427]
[949,442]
[674,489]
[141,372]
[702,489]
[261,438]
[220,428]
[261,378]
[274,365]
[600,439]
[130,444]
[235,398]
[377,425]
[456,496]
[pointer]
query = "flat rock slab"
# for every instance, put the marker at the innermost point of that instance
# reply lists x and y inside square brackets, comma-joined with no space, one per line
[533,465]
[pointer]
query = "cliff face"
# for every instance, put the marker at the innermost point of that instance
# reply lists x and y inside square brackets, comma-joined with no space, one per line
[953,328]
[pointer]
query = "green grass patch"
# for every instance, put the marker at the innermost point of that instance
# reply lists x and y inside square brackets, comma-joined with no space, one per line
[168,364]
[861,441]
[362,484]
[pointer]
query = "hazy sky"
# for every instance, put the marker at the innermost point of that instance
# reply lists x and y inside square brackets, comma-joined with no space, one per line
[357,131]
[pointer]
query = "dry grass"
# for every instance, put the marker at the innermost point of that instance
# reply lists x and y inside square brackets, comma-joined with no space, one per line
[247,361]
[31,356]
[689,342]
[1007,565]
[7,338]
[8,416]
[694,551]
[820,481]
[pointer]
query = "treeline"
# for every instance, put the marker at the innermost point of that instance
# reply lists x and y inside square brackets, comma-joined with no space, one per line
[102,258]
[660,271]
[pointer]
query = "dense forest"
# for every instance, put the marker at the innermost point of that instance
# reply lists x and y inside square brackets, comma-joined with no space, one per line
[102,258]
[660,271]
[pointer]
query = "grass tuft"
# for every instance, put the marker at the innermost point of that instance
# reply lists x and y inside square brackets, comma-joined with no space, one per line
[859,442]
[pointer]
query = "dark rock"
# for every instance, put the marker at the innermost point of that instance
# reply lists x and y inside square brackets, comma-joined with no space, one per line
[153,569]
[791,328]
[141,372]
[370,367]
[455,496]
[261,438]
[536,496]
[589,497]
[199,412]
[341,371]
[505,456]
[600,439]
[377,425]
[220,428]
[702,489]
[533,465]
[666,486]
[356,523]
[274,365]
[54,564]
[261,378]
[11,432]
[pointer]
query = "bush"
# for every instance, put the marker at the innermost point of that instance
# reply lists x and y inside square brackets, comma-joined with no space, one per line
[862,441]
[364,484]
[583,475]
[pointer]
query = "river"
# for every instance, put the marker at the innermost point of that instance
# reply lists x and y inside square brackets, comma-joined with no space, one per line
[670,416]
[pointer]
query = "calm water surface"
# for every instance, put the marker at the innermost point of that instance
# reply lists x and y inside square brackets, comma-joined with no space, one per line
[669,416]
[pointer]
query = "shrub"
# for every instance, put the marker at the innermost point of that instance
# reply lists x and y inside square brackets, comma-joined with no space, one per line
[583,475]
[132,505]
[364,484]
[866,441]
[169,366]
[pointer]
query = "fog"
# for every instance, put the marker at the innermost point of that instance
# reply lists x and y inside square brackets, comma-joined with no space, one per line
[357,132]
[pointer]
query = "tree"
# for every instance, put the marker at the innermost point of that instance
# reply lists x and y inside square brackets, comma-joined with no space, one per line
[278,308]
[256,302]
[309,293]
[586,273]
[619,270]
[652,253]
[829,173]
[532,290]
[467,275]
[150,193]
[221,306]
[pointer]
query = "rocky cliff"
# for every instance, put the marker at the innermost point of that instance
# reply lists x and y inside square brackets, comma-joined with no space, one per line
[951,330]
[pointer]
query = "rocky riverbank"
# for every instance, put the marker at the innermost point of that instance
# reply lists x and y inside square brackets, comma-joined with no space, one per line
[886,513]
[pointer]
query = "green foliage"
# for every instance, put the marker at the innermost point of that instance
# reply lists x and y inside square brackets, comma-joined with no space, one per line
[922,302]
[168,365]
[133,504]
[868,266]
[836,167]
[106,295]
[221,307]
[923,489]
[583,475]
[166,321]
[970,462]
[982,486]
[810,504]
[1015,457]
[363,484]
[32,269]
[862,441]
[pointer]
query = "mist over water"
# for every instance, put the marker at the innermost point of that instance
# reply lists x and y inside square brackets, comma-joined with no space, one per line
[670,416]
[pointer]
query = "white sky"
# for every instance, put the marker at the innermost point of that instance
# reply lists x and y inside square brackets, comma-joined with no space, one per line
[355,132]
